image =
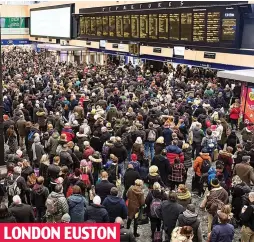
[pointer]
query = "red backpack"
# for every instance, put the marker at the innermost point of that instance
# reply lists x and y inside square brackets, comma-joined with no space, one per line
[86,180]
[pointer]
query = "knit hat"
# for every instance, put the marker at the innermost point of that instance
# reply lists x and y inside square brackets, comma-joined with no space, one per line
[138,141]
[66,218]
[160,140]
[97,200]
[215,182]
[153,170]
[134,157]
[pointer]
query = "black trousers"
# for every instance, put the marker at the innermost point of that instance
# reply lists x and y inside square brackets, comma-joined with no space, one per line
[135,227]
[155,224]
[197,184]
[196,148]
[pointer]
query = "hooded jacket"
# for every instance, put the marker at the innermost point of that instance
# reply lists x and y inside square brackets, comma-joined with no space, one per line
[97,213]
[53,143]
[198,163]
[198,135]
[77,208]
[116,207]
[136,199]
[39,196]
[173,151]
[42,120]
[191,219]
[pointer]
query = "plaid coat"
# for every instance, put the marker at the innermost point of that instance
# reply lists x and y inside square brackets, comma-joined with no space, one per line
[177,174]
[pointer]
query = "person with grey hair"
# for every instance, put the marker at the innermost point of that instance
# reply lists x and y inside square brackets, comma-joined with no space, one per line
[247,218]
[23,213]
[56,205]
[115,205]
[125,234]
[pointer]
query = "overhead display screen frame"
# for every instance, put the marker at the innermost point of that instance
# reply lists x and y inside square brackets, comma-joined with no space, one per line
[72,10]
[192,13]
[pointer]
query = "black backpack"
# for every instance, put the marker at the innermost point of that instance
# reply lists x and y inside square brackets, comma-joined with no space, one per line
[112,173]
[206,164]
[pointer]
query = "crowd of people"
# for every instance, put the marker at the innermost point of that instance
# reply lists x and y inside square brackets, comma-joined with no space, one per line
[82,142]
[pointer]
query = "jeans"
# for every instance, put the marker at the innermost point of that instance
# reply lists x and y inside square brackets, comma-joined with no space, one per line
[122,169]
[149,148]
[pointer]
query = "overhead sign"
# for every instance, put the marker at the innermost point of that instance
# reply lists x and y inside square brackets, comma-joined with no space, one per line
[14,26]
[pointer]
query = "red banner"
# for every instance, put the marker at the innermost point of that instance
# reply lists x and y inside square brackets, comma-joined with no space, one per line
[60,232]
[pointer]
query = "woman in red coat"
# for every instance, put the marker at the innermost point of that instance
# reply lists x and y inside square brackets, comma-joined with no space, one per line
[234,115]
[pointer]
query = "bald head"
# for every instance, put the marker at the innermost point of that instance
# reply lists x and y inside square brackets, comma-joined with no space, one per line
[119,220]
[104,175]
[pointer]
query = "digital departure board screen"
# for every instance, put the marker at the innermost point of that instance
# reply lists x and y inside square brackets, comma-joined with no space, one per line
[88,25]
[134,49]
[186,26]
[135,26]
[228,29]
[99,26]
[112,26]
[93,26]
[213,27]
[127,26]
[105,27]
[153,26]
[174,23]
[163,26]
[119,26]
[199,26]
[143,26]
[82,25]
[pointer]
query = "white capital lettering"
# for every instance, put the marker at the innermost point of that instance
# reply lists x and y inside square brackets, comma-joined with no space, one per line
[6,236]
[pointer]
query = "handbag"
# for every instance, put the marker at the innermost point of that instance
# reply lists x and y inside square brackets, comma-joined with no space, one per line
[142,217]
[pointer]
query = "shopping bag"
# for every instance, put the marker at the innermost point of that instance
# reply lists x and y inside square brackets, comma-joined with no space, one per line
[142,217]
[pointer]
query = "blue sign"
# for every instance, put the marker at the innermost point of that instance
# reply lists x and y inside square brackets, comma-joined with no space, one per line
[15,42]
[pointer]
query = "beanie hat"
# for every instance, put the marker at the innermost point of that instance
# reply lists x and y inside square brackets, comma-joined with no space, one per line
[97,200]
[134,157]
[138,141]
[215,182]
[153,170]
[66,218]
[160,140]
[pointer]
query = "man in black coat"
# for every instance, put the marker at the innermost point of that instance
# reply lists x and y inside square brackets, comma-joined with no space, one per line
[23,213]
[129,179]
[103,188]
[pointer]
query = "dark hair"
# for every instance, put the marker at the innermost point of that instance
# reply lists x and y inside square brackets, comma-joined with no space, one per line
[114,191]
[177,161]
[4,212]
[209,132]
[172,197]
[187,231]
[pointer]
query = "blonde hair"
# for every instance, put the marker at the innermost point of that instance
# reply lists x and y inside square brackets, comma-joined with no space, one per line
[44,159]
[185,146]
[156,186]
[182,188]
[139,182]
[226,209]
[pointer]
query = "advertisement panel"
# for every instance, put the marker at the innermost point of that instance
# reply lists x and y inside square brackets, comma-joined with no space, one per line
[247,103]
[14,26]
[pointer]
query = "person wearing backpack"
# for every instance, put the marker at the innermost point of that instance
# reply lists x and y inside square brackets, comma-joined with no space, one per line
[77,206]
[151,136]
[201,166]
[209,142]
[114,171]
[56,205]
[153,202]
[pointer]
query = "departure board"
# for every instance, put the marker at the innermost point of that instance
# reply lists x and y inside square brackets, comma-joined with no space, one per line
[153,26]
[88,25]
[135,26]
[119,26]
[163,26]
[228,29]
[134,49]
[213,27]
[112,26]
[99,26]
[82,25]
[186,26]
[174,23]
[143,26]
[93,26]
[199,26]
[127,26]
[105,27]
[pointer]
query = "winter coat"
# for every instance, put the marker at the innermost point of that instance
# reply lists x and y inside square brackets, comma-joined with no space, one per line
[23,213]
[69,134]
[138,149]
[245,172]
[198,135]
[172,208]
[21,127]
[152,179]
[176,236]
[42,120]
[130,177]
[119,151]
[96,143]
[199,161]
[88,151]
[80,111]
[39,196]
[177,173]
[59,125]
[247,135]
[97,214]
[62,207]
[103,188]
[116,207]
[136,199]
[112,113]
[234,113]
[53,143]
[77,205]
[167,134]
[187,157]
[66,159]
[39,150]
[173,152]
[80,140]
[13,143]
[191,219]
[222,233]
[227,160]
[53,171]
[26,171]
[247,217]
[158,148]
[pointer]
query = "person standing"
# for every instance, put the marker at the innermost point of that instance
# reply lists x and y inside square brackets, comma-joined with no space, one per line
[151,136]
